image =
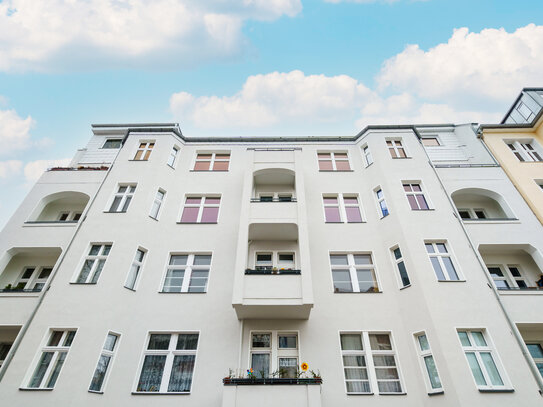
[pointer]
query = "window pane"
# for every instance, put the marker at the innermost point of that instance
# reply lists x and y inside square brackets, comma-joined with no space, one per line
[422,202]
[366,281]
[193,201]
[431,368]
[202,165]
[181,377]
[403,274]
[475,369]
[339,259]
[342,165]
[342,281]
[151,373]
[261,340]
[362,259]
[437,268]
[352,360]
[478,338]
[514,271]
[260,362]
[110,342]
[441,248]
[212,201]
[386,374]
[351,342]
[451,271]
[56,370]
[187,342]
[98,271]
[423,342]
[198,281]
[350,200]
[190,214]
[202,260]
[332,214]
[535,350]
[287,342]
[221,166]
[330,200]
[358,387]
[491,369]
[55,338]
[325,165]
[174,281]
[159,341]
[429,247]
[353,215]
[178,259]
[210,215]
[389,387]
[37,377]
[288,367]
[100,373]
[464,339]
[69,338]
[412,202]
[380,342]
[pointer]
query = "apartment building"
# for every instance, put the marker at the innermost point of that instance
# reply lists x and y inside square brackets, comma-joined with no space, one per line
[400,265]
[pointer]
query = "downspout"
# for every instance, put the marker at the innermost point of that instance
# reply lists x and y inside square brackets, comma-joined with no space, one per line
[26,325]
[241,326]
[514,329]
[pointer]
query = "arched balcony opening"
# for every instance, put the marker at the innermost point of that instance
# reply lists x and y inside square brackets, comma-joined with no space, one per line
[477,204]
[274,185]
[27,269]
[65,207]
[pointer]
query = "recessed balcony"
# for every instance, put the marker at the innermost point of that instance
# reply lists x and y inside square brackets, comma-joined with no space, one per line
[60,208]
[273,196]
[477,205]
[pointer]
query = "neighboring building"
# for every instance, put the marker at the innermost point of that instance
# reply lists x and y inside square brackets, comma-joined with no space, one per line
[517,145]
[400,264]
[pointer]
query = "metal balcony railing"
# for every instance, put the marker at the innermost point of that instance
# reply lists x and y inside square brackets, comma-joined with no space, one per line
[271,271]
[270,199]
[520,289]
[20,290]
[227,381]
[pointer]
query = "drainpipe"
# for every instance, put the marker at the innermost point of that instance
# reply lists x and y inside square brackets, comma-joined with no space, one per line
[512,325]
[26,325]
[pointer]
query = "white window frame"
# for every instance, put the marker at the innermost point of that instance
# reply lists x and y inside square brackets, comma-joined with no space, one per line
[57,351]
[108,353]
[139,264]
[70,216]
[379,200]
[368,354]
[274,351]
[158,202]
[172,158]
[416,193]
[352,271]
[368,158]
[397,145]
[188,268]
[477,350]
[127,195]
[34,278]
[111,139]
[508,276]
[396,263]
[96,260]
[525,150]
[212,160]
[275,262]
[170,354]
[473,213]
[146,148]
[201,206]
[440,256]
[333,159]
[341,204]
[423,354]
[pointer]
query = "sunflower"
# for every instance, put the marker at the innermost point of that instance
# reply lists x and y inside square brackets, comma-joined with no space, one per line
[304,366]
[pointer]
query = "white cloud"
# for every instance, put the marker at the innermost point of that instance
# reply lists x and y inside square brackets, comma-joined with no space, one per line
[82,34]
[492,65]
[14,131]
[10,168]
[274,98]
[34,169]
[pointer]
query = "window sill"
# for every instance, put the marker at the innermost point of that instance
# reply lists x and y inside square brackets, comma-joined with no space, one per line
[130,289]
[181,292]
[197,223]
[209,170]
[436,393]
[171,166]
[33,389]
[401,158]
[75,283]
[384,216]
[369,165]
[115,211]
[137,161]
[155,219]
[392,394]
[153,393]
[451,281]
[336,170]
[531,291]
[405,286]
[423,210]
[496,390]
[490,221]
[347,223]
[360,394]
[95,391]
[357,292]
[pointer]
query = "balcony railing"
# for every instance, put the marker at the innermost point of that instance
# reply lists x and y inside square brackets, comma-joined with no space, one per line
[272,271]
[488,219]
[54,222]
[227,381]
[520,288]
[20,290]
[270,199]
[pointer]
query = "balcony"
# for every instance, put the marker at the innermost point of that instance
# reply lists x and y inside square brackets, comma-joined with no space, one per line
[59,208]
[477,205]
[274,196]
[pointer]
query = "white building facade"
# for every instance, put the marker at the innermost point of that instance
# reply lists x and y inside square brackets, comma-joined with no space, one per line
[400,264]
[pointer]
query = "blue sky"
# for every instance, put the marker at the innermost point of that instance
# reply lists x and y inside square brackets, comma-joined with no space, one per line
[250,67]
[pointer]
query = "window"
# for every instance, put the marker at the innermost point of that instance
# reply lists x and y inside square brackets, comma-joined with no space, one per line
[507,277]
[415,197]
[369,363]
[396,149]
[341,208]
[472,213]
[441,261]
[135,269]
[173,156]
[353,272]
[383,208]
[4,350]
[367,155]
[400,266]
[157,203]
[525,150]
[187,273]
[212,162]
[432,380]
[122,198]
[201,209]
[488,374]
[338,161]
[525,112]
[269,260]
[33,278]
[536,351]
[144,150]
[108,351]
[52,359]
[168,363]
[274,352]
[70,216]
[274,197]
[113,143]
[94,263]
[430,141]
